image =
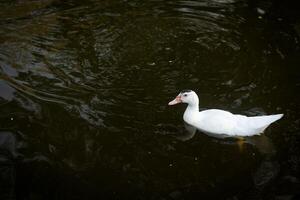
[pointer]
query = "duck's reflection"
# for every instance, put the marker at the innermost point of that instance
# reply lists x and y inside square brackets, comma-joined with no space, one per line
[268,168]
[261,142]
[187,135]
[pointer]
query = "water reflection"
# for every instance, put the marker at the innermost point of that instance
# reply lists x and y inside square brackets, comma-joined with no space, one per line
[189,134]
[261,142]
[268,168]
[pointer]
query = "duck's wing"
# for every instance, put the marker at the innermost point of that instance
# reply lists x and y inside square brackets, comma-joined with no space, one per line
[216,122]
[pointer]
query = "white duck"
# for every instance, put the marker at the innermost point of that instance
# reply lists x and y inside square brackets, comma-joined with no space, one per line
[221,122]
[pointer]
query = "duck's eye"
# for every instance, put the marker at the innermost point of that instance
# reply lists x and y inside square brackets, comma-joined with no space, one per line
[185,95]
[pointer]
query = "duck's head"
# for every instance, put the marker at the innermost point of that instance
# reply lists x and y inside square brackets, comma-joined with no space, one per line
[186,96]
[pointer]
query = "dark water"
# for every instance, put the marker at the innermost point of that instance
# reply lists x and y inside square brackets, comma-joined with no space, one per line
[84,87]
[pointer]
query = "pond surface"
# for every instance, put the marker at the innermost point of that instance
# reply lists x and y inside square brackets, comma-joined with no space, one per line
[84,87]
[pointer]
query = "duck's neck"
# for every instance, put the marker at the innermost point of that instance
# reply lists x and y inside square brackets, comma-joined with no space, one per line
[191,113]
[192,108]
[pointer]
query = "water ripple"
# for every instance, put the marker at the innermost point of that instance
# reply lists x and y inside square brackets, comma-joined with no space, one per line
[87,84]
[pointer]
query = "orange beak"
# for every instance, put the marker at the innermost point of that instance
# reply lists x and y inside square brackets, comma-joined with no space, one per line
[175,101]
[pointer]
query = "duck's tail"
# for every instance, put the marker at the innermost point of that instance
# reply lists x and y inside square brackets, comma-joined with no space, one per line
[262,122]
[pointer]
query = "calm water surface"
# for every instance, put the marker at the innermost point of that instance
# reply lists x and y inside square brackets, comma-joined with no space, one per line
[84,87]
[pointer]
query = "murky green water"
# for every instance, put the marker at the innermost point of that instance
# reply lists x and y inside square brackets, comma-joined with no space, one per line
[84,88]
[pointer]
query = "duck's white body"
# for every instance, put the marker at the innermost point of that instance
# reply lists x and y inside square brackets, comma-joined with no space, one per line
[215,121]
